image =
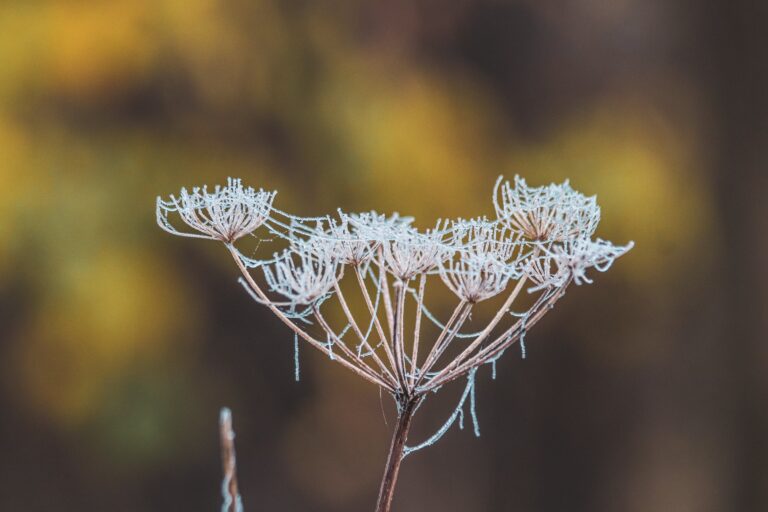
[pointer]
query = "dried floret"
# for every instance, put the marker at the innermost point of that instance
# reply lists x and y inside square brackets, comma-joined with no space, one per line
[550,213]
[226,214]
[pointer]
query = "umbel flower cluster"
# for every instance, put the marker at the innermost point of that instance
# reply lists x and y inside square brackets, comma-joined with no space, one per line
[522,262]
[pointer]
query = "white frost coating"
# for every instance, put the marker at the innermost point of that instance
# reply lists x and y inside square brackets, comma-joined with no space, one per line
[576,257]
[483,262]
[474,277]
[544,272]
[351,248]
[377,227]
[412,253]
[329,343]
[303,274]
[225,214]
[554,212]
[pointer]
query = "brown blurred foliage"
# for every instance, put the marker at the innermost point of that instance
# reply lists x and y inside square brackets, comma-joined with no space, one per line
[118,343]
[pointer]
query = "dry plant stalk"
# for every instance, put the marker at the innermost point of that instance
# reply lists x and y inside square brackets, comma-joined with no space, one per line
[540,242]
[229,491]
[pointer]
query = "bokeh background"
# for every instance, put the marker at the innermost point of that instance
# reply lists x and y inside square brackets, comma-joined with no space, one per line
[119,343]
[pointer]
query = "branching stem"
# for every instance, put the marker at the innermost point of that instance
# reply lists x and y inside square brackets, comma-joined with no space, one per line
[406,409]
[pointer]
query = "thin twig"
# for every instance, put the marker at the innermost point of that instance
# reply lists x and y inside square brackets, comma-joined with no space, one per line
[448,339]
[384,286]
[485,332]
[363,339]
[436,345]
[417,328]
[312,341]
[399,333]
[229,491]
[377,323]
[500,344]
[354,359]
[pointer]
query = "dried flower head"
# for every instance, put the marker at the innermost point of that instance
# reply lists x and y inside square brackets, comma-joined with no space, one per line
[550,213]
[574,258]
[226,214]
[303,273]
[474,278]
[351,246]
[541,239]
[410,253]
[482,264]
[545,273]
[377,227]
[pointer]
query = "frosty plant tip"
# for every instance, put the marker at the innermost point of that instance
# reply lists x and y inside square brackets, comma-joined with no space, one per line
[520,263]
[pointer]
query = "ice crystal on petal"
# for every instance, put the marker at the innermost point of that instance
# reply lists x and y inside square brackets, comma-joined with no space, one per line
[225,214]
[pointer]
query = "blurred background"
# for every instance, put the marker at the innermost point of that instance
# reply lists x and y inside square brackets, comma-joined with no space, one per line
[119,343]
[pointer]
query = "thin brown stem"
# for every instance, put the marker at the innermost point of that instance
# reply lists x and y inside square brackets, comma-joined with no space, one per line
[396,452]
[397,338]
[504,341]
[303,335]
[363,340]
[229,489]
[417,328]
[375,318]
[436,346]
[358,362]
[448,339]
[485,332]
[384,285]
[506,338]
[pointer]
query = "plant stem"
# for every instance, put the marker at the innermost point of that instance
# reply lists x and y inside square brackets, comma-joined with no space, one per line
[399,438]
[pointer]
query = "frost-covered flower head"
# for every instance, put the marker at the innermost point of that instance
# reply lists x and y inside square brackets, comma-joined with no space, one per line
[550,213]
[377,227]
[574,258]
[475,277]
[409,253]
[542,239]
[303,273]
[483,262]
[545,273]
[351,246]
[225,214]
[483,237]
